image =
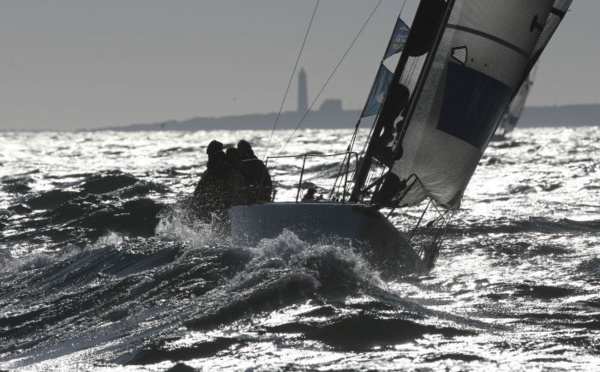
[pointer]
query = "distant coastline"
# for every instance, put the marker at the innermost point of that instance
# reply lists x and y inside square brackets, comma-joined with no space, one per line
[560,116]
[287,120]
[543,116]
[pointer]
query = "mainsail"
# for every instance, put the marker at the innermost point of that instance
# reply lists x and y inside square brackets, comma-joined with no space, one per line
[462,64]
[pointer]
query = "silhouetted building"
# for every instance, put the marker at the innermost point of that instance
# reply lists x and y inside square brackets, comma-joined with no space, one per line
[302,92]
[331,106]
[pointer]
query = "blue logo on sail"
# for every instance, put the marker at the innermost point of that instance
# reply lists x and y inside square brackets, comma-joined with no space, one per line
[398,39]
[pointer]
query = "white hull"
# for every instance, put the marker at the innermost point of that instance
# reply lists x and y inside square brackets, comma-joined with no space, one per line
[356,225]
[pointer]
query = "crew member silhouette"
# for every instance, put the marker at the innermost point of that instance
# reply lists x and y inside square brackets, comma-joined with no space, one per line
[258,179]
[213,191]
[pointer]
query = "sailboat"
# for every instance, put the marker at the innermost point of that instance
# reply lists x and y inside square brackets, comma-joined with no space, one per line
[462,63]
[517,105]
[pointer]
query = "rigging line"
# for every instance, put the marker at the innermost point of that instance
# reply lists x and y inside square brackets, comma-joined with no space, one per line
[291,78]
[401,9]
[330,76]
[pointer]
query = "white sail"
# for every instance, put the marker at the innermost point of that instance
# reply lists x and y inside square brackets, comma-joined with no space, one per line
[482,52]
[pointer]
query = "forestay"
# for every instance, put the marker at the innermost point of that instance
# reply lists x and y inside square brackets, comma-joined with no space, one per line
[462,65]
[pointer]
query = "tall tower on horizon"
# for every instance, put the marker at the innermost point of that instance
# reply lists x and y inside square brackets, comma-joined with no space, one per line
[302,92]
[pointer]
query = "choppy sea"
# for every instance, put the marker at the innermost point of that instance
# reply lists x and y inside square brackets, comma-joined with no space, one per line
[101,268]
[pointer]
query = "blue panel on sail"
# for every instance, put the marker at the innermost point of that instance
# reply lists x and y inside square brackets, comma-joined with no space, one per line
[473,104]
[380,87]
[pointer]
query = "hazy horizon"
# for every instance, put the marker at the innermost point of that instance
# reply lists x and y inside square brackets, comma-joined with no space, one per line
[82,65]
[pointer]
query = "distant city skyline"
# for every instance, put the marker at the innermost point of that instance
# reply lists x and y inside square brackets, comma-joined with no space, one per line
[70,65]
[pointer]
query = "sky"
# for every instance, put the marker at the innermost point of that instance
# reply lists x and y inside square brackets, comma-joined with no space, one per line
[83,64]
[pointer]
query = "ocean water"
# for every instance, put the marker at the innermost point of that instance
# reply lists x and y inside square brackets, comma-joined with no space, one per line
[102,270]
